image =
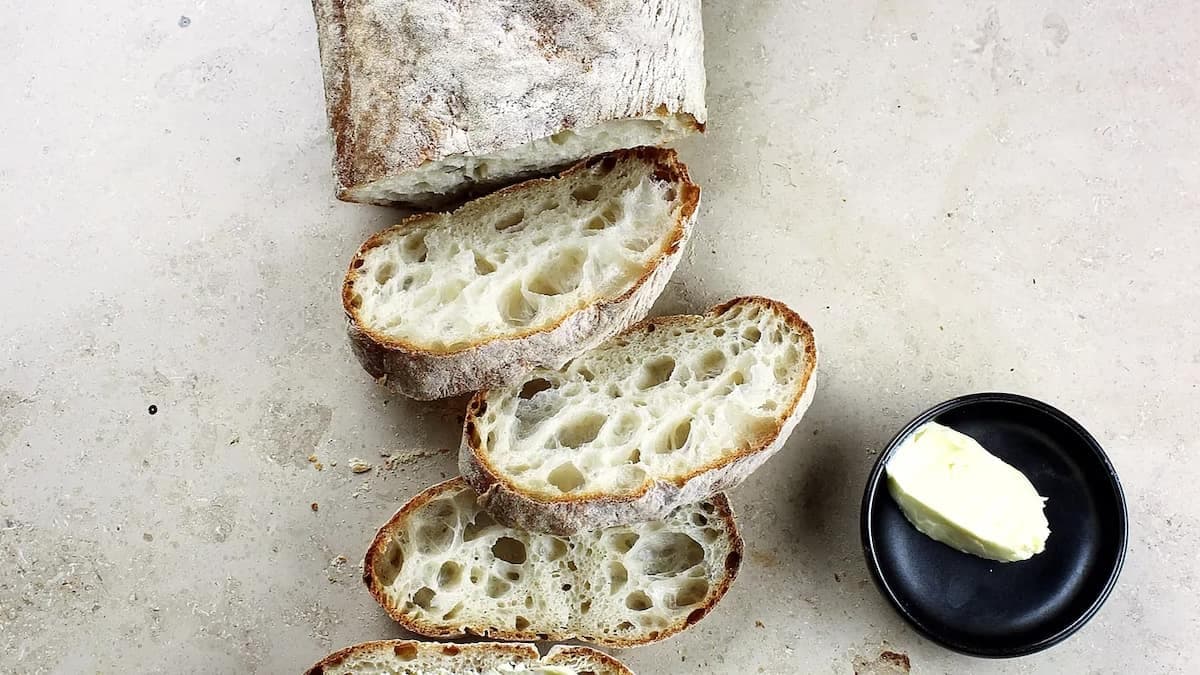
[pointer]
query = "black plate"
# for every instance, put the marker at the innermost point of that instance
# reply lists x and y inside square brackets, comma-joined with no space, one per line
[993,609]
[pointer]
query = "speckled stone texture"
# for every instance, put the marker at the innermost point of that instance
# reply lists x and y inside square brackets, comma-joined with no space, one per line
[958,196]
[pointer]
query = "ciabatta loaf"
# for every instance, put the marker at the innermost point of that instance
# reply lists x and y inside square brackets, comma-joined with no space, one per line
[443,567]
[532,275]
[431,99]
[673,410]
[413,657]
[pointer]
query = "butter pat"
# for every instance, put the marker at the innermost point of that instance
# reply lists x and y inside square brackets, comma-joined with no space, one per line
[953,490]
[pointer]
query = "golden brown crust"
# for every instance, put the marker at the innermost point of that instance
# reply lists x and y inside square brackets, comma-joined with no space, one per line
[379,545]
[486,479]
[385,356]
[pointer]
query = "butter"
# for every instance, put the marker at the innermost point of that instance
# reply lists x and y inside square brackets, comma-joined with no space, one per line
[953,490]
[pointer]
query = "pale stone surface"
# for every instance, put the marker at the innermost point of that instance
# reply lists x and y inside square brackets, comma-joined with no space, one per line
[958,196]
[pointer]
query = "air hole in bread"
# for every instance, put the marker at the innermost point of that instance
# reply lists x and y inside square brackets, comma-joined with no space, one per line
[562,137]
[555,548]
[618,576]
[585,606]
[496,587]
[690,592]
[622,542]
[624,626]
[580,430]
[389,566]
[515,308]
[406,651]
[529,602]
[711,364]
[655,372]
[710,535]
[423,598]
[560,276]
[752,333]
[509,221]
[699,520]
[534,387]
[622,427]
[476,574]
[638,601]
[453,613]
[737,378]
[611,213]
[356,301]
[434,538]
[669,553]
[509,550]
[358,262]
[586,192]
[413,249]
[634,456]
[677,438]
[483,266]
[480,171]
[512,575]
[707,507]
[521,623]
[594,224]
[566,477]
[481,522]
[449,575]
[669,195]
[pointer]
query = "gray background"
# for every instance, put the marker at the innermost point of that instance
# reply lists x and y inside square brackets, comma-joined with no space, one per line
[958,198]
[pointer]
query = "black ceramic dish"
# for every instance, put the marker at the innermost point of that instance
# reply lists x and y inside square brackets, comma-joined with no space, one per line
[992,609]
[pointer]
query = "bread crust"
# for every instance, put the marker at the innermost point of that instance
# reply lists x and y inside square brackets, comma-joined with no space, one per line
[519,652]
[378,548]
[426,374]
[415,82]
[567,514]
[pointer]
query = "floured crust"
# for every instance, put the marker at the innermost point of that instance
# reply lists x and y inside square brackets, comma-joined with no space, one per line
[425,374]
[566,514]
[409,82]
[377,552]
[419,655]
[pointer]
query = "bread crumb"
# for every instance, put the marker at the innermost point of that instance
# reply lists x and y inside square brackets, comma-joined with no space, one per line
[759,624]
[412,456]
[314,507]
[359,466]
[319,466]
[313,458]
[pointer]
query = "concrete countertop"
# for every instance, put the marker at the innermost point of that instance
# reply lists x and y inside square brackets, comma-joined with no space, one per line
[958,196]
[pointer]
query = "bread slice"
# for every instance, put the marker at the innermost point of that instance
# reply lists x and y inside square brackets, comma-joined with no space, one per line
[413,657]
[430,100]
[443,567]
[532,275]
[673,410]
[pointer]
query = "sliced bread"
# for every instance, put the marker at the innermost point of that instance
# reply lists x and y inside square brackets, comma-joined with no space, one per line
[443,567]
[413,657]
[430,100]
[673,410]
[444,304]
